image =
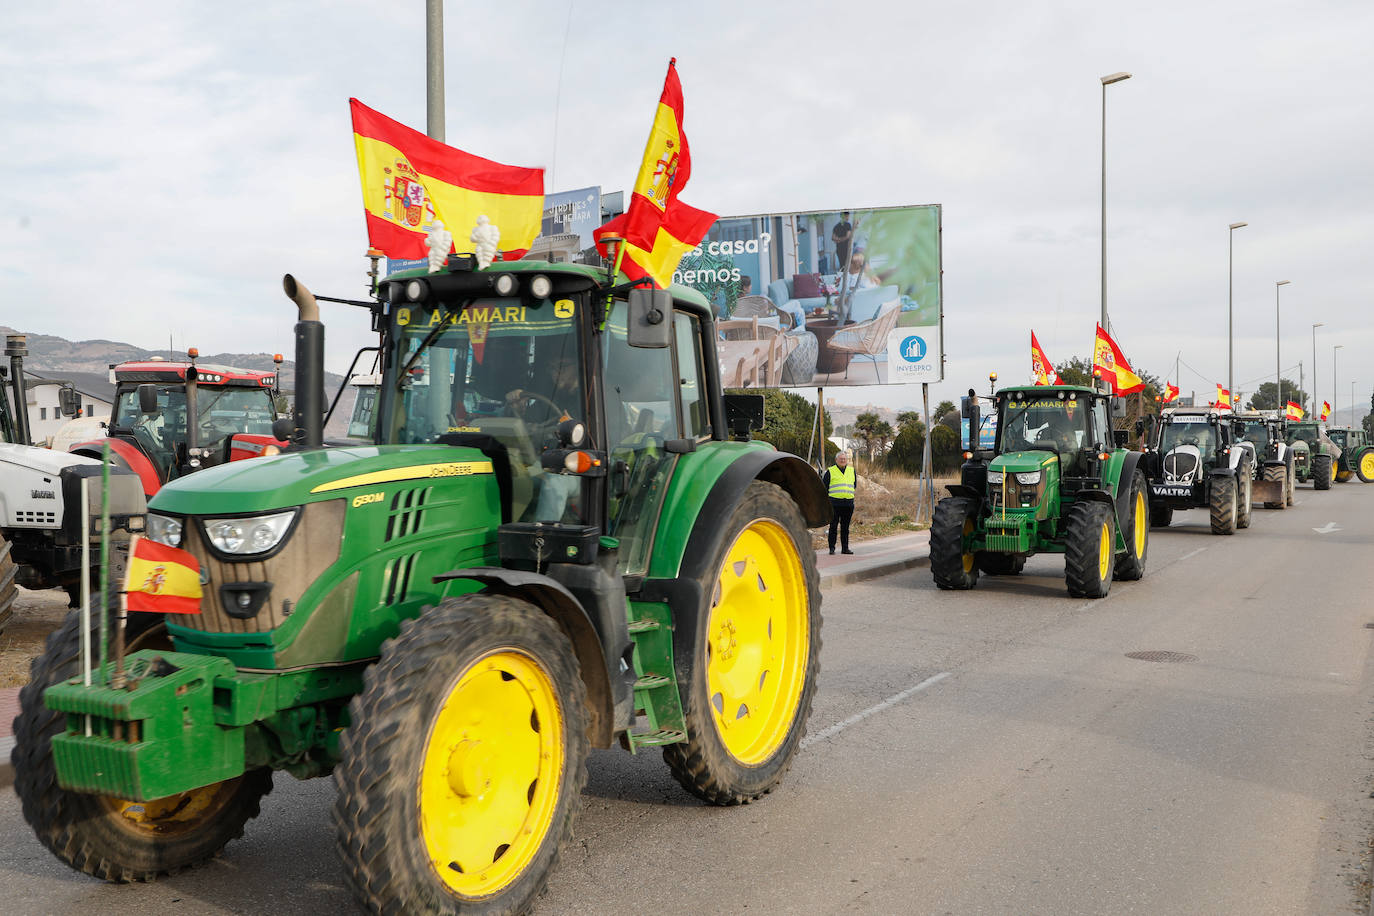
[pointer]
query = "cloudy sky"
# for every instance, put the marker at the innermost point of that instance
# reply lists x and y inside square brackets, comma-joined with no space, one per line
[169,161]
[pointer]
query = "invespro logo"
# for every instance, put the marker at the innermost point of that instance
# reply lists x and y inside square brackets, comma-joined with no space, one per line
[913,349]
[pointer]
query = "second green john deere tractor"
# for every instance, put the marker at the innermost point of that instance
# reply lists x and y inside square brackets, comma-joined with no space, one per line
[561,539]
[1059,480]
[1357,454]
[1315,456]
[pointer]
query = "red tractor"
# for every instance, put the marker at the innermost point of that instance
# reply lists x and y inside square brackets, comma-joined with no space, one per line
[151,431]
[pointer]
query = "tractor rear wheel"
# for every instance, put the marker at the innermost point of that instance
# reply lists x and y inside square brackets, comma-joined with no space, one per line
[1222,503]
[1088,549]
[1278,474]
[1364,467]
[951,564]
[111,838]
[1130,565]
[1292,482]
[461,772]
[1323,472]
[1000,564]
[9,588]
[1161,516]
[756,654]
[1245,494]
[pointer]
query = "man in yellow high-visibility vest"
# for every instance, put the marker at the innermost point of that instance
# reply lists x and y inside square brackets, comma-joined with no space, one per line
[839,483]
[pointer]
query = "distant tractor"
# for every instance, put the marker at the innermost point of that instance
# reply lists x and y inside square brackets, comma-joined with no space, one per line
[1357,454]
[561,539]
[1058,480]
[1315,456]
[172,418]
[1273,469]
[1194,461]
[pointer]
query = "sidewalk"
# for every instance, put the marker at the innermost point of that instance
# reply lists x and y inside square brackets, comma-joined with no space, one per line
[871,559]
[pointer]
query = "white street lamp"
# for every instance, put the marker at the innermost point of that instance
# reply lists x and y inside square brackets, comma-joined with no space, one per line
[1278,376]
[1333,378]
[1319,324]
[1106,81]
[1230,345]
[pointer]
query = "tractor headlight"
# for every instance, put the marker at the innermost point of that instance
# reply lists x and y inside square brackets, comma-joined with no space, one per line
[248,536]
[504,284]
[1028,477]
[164,529]
[541,286]
[995,477]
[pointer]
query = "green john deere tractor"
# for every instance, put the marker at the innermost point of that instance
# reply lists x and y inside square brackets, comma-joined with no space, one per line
[1357,454]
[1315,456]
[561,539]
[1058,480]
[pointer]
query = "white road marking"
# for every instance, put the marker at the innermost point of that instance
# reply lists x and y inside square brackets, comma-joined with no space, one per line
[872,710]
[1189,554]
[1328,528]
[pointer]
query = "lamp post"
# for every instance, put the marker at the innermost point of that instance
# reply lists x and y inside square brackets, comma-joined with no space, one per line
[1333,378]
[1278,373]
[1314,365]
[1106,81]
[1230,344]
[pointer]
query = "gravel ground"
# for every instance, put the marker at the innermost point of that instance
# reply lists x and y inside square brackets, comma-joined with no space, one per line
[36,614]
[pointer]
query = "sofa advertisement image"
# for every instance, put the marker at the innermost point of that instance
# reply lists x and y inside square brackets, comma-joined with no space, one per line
[819,299]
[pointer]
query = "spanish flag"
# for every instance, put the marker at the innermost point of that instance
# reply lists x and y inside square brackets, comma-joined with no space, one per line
[1326,410]
[161,579]
[1041,367]
[1223,396]
[410,180]
[1110,363]
[1170,392]
[658,229]
[1294,411]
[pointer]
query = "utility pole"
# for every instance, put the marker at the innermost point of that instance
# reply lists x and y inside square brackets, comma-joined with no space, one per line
[434,69]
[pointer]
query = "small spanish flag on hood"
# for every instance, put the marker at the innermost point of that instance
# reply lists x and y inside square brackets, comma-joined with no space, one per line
[1110,363]
[1223,396]
[1294,411]
[1326,410]
[1170,392]
[1041,367]
[162,579]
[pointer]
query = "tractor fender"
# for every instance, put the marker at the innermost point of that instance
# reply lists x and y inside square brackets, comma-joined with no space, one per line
[554,599]
[1222,472]
[124,455]
[959,489]
[1130,463]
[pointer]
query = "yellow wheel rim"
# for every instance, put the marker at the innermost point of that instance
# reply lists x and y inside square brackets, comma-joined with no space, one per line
[1104,552]
[1367,465]
[173,815]
[757,642]
[968,557]
[492,773]
[1141,524]
[1333,471]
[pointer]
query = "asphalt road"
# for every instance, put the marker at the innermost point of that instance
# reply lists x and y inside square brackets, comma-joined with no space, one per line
[994,751]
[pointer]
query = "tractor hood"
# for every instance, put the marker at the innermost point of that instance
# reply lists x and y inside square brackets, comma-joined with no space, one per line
[295,478]
[1021,462]
[43,460]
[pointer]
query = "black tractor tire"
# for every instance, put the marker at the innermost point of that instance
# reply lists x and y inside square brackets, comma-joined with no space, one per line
[1161,516]
[415,698]
[1280,475]
[9,586]
[1221,501]
[950,565]
[1244,496]
[1343,476]
[1130,566]
[1088,523]
[999,564]
[1364,466]
[109,838]
[1322,474]
[1292,481]
[705,764]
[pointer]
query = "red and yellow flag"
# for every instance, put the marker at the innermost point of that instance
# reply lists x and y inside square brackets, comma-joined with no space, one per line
[1294,411]
[1223,397]
[1041,367]
[410,180]
[657,228]
[1170,392]
[1110,363]
[162,579]
[1326,410]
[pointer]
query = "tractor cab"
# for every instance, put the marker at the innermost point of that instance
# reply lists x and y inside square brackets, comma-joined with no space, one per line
[1070,424]
[1190,440]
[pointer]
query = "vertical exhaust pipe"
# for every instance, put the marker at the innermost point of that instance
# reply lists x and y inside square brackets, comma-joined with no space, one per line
[307,415]
[16,348]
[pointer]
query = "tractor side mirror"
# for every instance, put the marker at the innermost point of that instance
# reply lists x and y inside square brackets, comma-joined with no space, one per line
[650,314]
[1118,408]
[147,398]
[68,401]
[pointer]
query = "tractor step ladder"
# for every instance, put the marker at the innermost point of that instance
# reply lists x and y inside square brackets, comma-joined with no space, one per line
[655,690]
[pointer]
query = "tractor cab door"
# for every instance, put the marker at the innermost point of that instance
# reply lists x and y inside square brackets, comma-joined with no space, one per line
[655,401]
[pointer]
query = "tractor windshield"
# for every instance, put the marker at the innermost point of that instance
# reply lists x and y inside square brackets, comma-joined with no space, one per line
[1053,424]
[500,367]
[1193,431]
[1337,436]
[1305,433]
[221,412]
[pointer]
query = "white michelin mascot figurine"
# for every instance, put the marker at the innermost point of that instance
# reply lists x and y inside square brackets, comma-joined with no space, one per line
[439,241]
[485,236]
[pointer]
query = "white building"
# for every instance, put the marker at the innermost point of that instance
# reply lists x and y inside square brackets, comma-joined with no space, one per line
[45,417]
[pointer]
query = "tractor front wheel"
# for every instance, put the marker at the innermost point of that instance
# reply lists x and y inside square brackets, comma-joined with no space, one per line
[1089,545]
[755,656]
[460,774]
[1278,474]
[1364,469]
[952,564]
[111,838]
[1130,566]
[1222,504]
[1323,472]
[1244,494]
[9,588]
[1292,482]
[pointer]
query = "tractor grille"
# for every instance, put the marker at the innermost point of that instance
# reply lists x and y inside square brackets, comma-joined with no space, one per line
[311,549]
[1180,466]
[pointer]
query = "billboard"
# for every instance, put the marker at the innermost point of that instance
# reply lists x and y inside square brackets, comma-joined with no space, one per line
[824,298]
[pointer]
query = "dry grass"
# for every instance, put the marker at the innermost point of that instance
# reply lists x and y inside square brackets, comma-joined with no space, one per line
[885,503]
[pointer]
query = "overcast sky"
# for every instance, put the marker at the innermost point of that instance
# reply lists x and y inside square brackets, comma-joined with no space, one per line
[169,161]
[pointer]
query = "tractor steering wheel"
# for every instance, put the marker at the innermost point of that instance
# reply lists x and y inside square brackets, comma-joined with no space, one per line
[516,403]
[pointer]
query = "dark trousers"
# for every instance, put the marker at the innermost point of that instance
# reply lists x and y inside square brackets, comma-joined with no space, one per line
[841,511]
